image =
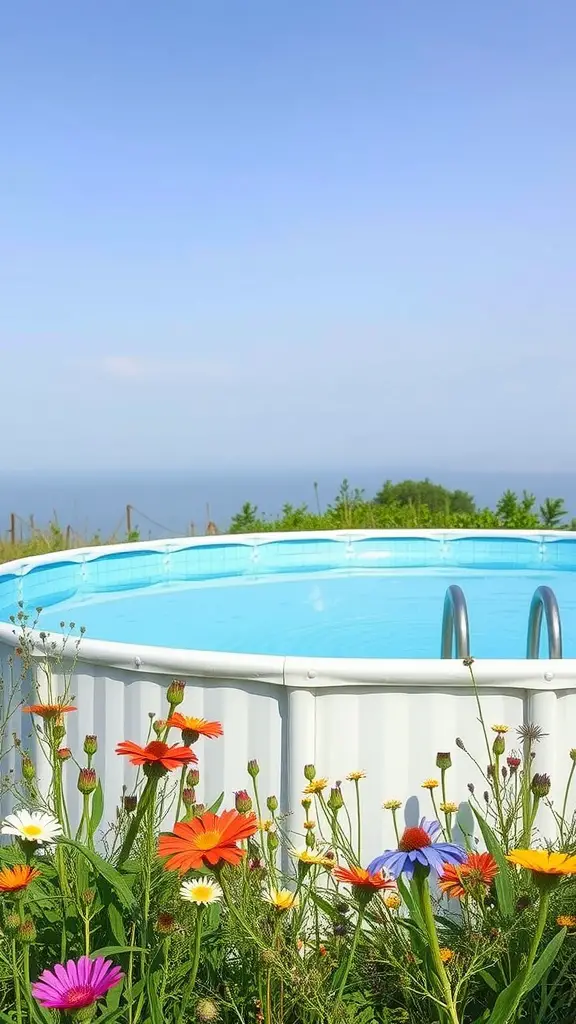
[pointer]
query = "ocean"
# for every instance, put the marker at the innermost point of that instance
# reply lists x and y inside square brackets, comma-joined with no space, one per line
[178,503]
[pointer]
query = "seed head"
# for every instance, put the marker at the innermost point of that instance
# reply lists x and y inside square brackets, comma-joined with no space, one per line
[531,732]
[165,923]
[206,1011]
[443,761]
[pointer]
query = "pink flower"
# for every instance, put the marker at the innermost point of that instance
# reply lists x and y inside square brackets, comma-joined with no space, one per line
[76,985]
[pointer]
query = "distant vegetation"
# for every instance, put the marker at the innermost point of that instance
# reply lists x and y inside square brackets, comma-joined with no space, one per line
[409,504]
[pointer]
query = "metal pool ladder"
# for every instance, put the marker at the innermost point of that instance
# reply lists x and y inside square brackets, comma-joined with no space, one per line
[455,626]
[544,602]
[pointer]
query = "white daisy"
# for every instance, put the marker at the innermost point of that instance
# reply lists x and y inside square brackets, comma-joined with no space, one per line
[36,827]
[201,890]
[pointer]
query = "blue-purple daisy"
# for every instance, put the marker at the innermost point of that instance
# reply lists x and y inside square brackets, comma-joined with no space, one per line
[418,846]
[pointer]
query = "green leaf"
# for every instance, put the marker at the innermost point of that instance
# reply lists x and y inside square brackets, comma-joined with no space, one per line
[116,924]
[97,808]
[116,950]
[156,1015]
[110,874]
[216,805]
[489,980]
[503,884]
[545,961]
[507,1000]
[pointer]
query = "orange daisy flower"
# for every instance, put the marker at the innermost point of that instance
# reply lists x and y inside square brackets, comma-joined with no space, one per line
[362,879]
[157,756]
[206,840]
[49,711]
[199,726]
[478,869]
[16,878]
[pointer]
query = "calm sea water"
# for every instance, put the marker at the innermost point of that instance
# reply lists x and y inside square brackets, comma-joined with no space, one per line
[167,504]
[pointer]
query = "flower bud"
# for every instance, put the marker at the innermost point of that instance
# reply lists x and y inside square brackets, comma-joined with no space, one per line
[88,897]
[28,770]
[393,901]
[87,780]
[573,753]
[193,778]
[198,810]
[27,931]
[471,787]
[306,804]
[540,785]
[64,753]
[310,840]
[175,693]
[490,772]
[309,772]
[486,796]
[242,802]
[130,803]
[460,743]
[443,761]
[499,745]
[188,797]
[90,745]
[12,923]
[272,841]
[253,768]
[159,725]
[272,804]
[206,1011]
[340,929]
[335,800]
[504,771]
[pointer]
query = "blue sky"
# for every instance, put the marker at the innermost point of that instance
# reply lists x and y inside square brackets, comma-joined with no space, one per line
[269,235]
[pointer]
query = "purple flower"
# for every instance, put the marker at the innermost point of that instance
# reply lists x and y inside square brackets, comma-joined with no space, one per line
[417,846]
[76,985]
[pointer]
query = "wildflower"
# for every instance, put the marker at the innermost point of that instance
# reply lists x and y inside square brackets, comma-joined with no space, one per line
[393,901]
[193,778]
[175,692]
[90,745]
[513,763]
[201,890]
[265,824]
[316,786]
[430,784]
[308,825]
[35,827]
[532,733]
[207,839]
[449,807]
[443,761]
[272,804]
[75,986]
[500,729]
[242,802]
[206,1011]
[446,954]
[49,711]
[459,743]
[159,726]
[17,878]
[566,921]
[306,803]
[499,745]
[165,923]
[28,770]
[356,776]
[87,781]
[281,899]
[392,805]
[156,757]
[193,728]
[479,869]
[12,923]
[188,797]
[418,846]
[64,753]
[272,841]
[362,881]
[130,803]
[573,753]
[309,857]
[27,931]
[322,949]
[253,768]
[543,863]
[309,772]
[335,801]
[540,785]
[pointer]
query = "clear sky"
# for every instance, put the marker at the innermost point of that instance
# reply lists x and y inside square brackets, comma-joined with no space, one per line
[268,234]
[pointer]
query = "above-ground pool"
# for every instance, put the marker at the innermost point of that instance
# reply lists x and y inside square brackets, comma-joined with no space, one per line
[315,647]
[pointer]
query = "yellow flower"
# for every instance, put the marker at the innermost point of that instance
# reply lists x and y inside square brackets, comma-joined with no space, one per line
[566,921]
[200,890]
[316,786]
[541,862]
[449,808]
[265,824]
[446,954]
[281,899]
[392,805]
[306,856]
[309,825]
[430,784]
[393,901]
[356,776]
[500,728]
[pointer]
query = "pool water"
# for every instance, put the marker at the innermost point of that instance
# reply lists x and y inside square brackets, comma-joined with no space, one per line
[375,613]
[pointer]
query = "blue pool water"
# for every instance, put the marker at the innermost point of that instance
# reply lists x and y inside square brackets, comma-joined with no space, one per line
[375,614]
[376,596]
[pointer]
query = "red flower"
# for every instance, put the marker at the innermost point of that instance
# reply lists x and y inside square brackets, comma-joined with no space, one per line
[18,877]
[49,711]
[479,869]
[157,756]
[362,879]
[199,726]
[206,840]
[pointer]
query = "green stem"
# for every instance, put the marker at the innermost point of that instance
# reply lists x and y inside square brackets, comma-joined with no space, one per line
[17,995]
[194,969]
[480,715]
[564,805]
[420,882]
[526,808]
[148,857]
[147,797]
[180,791]
[351,956]
[358,821]
[395,823]
[540,925]
[87,935]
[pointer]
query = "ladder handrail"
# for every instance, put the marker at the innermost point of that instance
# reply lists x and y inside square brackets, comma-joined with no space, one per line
[544,602]
[455,626]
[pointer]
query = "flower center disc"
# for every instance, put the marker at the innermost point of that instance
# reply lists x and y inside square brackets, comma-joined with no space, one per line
[156,748]
[414,839]
[32,830]
[207,841]
[79,997]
